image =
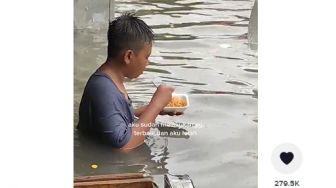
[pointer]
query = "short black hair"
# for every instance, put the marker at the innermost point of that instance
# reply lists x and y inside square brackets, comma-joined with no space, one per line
[127,32]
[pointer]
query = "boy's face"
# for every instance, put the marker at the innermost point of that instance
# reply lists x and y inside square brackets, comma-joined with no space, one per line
[139,61]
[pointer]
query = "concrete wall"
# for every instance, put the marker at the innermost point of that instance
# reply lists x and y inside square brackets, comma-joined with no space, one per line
[92,14]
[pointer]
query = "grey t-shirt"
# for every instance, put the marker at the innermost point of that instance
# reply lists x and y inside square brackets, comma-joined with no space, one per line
[105,112]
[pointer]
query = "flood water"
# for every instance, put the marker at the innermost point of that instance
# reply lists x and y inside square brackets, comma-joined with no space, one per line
[201,49]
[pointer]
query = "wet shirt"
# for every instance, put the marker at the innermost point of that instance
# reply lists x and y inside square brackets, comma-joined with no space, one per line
[104,112]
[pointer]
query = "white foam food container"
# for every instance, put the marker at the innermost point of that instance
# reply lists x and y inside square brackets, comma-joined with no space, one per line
[178,109]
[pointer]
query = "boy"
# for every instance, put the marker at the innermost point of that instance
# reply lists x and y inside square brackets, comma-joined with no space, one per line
[105,109]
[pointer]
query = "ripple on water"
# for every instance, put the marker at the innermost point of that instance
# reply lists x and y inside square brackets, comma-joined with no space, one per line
[241,83]
[156,70]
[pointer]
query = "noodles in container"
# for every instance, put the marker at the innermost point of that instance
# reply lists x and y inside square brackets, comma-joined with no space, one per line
[178,104]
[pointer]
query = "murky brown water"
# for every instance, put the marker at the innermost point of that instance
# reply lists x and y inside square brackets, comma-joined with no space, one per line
[201,49]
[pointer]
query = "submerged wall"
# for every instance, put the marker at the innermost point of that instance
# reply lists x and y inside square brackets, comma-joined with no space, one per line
[253,27]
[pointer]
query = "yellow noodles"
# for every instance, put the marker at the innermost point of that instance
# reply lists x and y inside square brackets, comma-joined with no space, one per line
[177,102]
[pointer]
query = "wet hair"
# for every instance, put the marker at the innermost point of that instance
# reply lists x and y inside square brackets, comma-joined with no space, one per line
[127,32]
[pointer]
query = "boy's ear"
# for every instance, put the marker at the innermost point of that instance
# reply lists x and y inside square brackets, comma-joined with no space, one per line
[128,56]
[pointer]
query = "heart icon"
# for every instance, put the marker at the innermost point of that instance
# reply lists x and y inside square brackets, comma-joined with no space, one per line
[286,157]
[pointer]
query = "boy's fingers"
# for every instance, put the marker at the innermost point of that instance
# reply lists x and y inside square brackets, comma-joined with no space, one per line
[166,86]
[171,113]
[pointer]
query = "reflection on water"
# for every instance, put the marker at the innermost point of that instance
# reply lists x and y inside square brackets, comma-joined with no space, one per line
[201,49]
[145,158]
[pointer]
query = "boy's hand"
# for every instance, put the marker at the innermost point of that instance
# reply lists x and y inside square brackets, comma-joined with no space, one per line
[171,113]
[162,96]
